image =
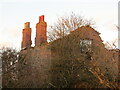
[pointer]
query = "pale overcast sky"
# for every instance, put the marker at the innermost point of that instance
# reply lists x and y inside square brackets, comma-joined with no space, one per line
[14,13]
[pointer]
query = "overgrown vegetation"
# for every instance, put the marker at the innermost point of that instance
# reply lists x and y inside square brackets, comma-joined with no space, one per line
[9,59]
[72,68]
[68,70]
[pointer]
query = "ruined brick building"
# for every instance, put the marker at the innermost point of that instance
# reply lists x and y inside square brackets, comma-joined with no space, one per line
[51,64]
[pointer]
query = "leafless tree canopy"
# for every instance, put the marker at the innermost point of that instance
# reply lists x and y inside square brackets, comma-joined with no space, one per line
[65,25]
[9,59]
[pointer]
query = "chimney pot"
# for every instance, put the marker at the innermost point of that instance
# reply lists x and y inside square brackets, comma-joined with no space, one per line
[27,25]
[41,18]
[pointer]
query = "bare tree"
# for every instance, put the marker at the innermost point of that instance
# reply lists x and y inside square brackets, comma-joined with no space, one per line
[9,59]
[65,25]
[114,43]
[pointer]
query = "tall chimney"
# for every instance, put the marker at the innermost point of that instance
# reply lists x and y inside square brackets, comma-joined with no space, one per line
[26,36]
[41,27]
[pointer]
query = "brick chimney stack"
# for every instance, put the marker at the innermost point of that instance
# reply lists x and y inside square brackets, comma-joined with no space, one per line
[41,27]
[26,36]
